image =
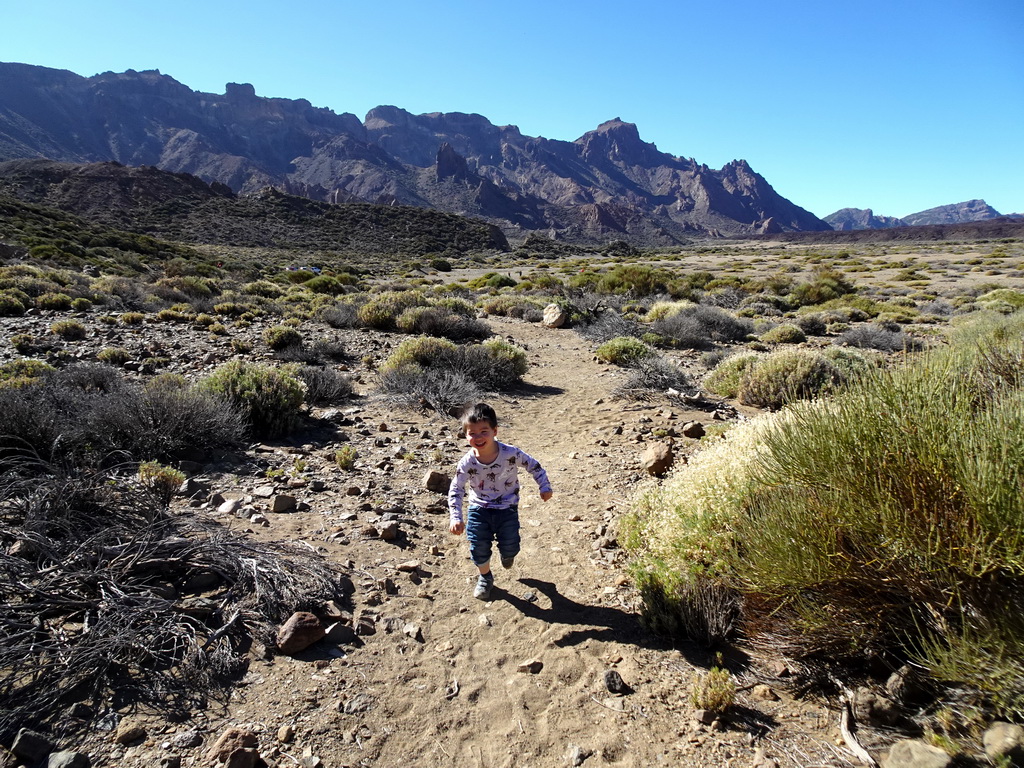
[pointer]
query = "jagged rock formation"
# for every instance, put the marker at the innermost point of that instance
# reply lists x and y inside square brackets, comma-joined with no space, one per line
[608,184]
[846,219]
[957,213]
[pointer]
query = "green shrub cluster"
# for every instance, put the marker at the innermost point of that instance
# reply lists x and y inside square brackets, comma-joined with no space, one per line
[887,519]
[382,311]
[268,399]
[624,351]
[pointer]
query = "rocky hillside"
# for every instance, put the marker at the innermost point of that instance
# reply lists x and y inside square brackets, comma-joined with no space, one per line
[957,213]
[608,184]
[181,207]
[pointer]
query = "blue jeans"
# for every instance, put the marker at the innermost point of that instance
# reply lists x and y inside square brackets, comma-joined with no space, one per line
[486,525]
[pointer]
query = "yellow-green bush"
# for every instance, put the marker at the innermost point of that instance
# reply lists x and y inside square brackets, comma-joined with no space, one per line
[269,399]
[624,351]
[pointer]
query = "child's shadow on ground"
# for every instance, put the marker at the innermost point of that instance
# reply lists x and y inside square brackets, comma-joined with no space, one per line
[603,623]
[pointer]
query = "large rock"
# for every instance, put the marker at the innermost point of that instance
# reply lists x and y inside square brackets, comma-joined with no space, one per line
[298,633]
[232,740]
[1004,740]
[436,482]
[658,459]
[31,747]
[913,753]
[554,316]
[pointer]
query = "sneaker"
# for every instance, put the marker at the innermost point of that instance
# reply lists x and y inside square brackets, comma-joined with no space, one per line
[483,587]
[508,562]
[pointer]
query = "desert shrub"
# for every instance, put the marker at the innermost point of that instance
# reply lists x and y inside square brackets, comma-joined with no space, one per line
[786,333]
[812,324]
[341,315]
[872,336]
[437,388]
[624,351]
[1006,297]
[161,480]
[422,350]
[69,330]
[241,346]
[10,305]
[298,276]
[697,326]
[826,285]
[714,691]
[885,520]
[89,412]
[324,385]
[509,305]
[231,308]
[24,343]
[851,363]
[324,284]
[132,318]
[54,301]
[268,399]
[18,373]
[786,375]
[724,379]
[662,309]
[436,321]
[264,288]
[443,375]
[279,337]
[441,265]
[382,311]
[508,362]
[635,280]
[113,355]
[492,280]
[203,320]
[346,457]
[607,325]
[170,315]
[81,304]
[653,375]
[456,305]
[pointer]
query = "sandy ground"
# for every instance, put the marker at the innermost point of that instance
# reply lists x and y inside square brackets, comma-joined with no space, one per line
[447,679]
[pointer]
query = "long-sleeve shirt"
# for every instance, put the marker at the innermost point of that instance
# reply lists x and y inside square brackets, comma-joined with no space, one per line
[493,485]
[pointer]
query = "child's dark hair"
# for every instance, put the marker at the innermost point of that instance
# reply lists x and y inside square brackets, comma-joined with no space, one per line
[479,412]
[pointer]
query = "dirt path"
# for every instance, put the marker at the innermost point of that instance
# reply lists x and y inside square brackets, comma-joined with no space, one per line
[520,680]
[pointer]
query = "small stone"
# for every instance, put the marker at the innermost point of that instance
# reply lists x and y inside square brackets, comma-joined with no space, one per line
[361,702]
[914,753]
[413,631]
[436,482]
[658,459]
[232,740]
[578,755]
[298,633]
[187,739]
[69,759]
[264,492]
[230,506]
[764,693]
[389,530]
[533,666]
[704,716]
[614,683]
[31,747]
[129,731]
[259,519]
[353,490]
[409,566]
[286,733]
[283,503]
[693,429]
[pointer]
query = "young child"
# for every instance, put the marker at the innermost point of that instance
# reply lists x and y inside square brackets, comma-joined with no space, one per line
[491,470]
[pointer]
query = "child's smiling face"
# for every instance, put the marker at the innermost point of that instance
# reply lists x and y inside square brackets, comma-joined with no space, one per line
[481,436]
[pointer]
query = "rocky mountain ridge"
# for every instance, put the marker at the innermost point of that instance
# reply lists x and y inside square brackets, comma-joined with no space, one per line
[608,184]
[846,219]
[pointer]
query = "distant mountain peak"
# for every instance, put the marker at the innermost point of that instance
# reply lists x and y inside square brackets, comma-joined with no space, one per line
[609,182]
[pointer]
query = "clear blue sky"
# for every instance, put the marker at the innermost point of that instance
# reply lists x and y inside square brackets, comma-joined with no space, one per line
[895,106]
